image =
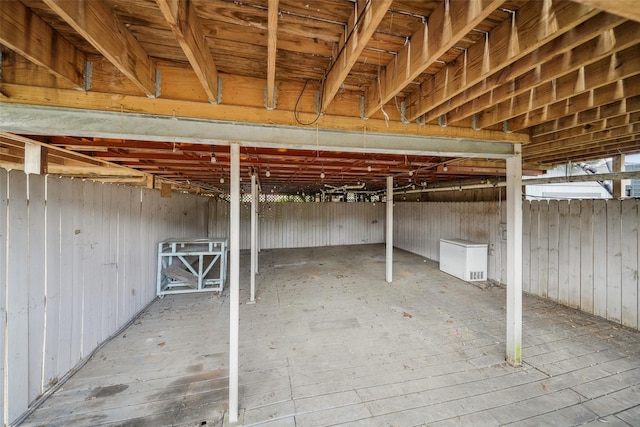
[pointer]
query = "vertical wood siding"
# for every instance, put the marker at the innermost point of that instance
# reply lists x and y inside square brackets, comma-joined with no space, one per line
[80,263]
[299,225]
[581,253]
[596,266]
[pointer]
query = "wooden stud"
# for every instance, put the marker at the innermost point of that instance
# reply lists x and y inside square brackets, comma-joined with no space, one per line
[627,8]
[609,42]
[448,24]
[532,26]
[618,166]
[616,67]
[187,28]
[463,104]
[165,190]
[608,93]
[362,24]
[272,50]
[19,27]
[99,25]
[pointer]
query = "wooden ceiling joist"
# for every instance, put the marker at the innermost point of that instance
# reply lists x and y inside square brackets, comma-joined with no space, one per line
[449,23]
[598,48]
[186,27]
[572,143]
[587,117]
[532,26]
[28,35]
[611,92]
[99,25]
[366,16]
[592,127]
[595,151]
[627,8]
[272,50]
[615,67]
[475,97]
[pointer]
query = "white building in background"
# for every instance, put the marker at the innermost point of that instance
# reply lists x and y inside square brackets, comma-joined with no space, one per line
[581,190]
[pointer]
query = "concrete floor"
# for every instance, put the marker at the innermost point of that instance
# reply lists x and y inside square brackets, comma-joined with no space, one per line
[329,342]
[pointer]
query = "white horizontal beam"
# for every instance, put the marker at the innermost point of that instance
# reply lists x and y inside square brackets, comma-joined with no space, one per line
[81,123]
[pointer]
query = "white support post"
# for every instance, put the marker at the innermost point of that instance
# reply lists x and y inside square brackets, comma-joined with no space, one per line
[514,258]
[234,283]
[35,159]
[389,234]
[254,235]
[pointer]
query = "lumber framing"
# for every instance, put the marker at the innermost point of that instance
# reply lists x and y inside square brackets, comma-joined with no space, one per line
[364,20]
[615,67]
[449,23]
[588,100]
[186,27]
[627,8]
[594,151]
[272,50]
[592,127]
[98,24]
[28,35]
[535,24]
[30,95]
[607,43]
[585,119]
[38,120]
[567,144]
[466,103]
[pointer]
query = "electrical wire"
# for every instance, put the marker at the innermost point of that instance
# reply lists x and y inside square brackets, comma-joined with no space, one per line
[296,113]
[295,108]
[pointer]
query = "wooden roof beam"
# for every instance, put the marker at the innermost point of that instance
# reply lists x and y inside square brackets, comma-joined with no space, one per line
[618,66]
[587,117]
[609,93]
[574,143]
[363,22]
[272,50]
[449,23]
[99,25]
[25,33]
[627,144]
[462,104]
[625,8]
[610,41]
[590,128]
[187,28]
[532,26]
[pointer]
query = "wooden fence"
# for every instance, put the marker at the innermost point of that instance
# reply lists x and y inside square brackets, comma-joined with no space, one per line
[78,262]
[584,254]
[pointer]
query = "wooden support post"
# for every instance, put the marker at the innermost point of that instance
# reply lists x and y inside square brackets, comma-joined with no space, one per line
[389,235]
[165,190]
[234,282]
[618,166]
[514,258]
[150,180]
[35,159]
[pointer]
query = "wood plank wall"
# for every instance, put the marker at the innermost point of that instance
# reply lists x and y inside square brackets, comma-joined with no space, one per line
[418,228]
[585,254]
[80,262]
[298,225]
[581,253]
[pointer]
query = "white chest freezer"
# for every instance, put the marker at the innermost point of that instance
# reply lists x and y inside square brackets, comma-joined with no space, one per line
[464,259]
